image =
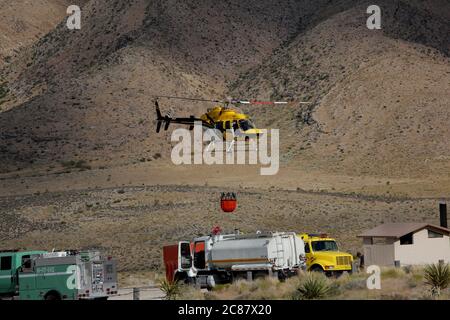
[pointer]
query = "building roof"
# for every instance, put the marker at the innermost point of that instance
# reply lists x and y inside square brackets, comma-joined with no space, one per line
[397,230]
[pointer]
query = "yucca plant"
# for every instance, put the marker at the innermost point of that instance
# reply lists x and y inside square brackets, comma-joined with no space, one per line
[312,286]
[437,276]
[171,289]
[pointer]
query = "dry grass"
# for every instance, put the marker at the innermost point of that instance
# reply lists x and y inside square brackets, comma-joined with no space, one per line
[137,279]
[395,284]
[134,223]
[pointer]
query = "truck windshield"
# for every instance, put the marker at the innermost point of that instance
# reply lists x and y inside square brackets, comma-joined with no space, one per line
[324,245]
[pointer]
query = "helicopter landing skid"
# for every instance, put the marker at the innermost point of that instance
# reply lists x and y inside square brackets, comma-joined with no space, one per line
[229,147]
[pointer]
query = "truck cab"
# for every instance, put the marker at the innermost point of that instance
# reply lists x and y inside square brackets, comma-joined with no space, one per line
[11,262]
[183,261]
[323,255]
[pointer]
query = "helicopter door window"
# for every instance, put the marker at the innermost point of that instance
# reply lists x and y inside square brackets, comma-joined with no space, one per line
[245,125]
[228,125]
[219,125]
[235,125]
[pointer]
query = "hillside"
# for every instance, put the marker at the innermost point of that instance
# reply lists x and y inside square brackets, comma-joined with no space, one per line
[113,66]
[23,22]
[87,95]
[379,98]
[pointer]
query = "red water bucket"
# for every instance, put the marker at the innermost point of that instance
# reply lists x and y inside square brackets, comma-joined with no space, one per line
[228,202]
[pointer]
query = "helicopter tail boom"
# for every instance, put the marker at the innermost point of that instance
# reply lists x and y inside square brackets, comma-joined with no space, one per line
[168,119]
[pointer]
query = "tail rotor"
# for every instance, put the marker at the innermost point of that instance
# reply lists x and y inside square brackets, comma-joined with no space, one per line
[160,119]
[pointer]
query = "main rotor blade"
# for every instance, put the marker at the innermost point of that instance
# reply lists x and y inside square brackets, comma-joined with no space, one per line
[235,101]
[190,99]
[254,102]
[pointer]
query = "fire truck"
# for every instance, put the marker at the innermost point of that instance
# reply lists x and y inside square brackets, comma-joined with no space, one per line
[217,259]
[63,275]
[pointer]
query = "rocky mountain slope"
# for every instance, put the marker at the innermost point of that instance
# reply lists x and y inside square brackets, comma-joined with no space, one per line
[23,22]
[89,91]
[379,97]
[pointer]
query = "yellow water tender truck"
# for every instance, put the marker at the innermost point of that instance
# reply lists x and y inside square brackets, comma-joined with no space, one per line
[323,255]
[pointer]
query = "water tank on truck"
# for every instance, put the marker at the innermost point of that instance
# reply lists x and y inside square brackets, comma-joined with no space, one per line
[216,259]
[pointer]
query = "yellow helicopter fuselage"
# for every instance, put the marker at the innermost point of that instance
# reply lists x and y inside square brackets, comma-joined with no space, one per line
[225,118]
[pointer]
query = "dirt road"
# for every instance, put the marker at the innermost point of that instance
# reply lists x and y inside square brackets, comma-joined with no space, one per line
[145,293]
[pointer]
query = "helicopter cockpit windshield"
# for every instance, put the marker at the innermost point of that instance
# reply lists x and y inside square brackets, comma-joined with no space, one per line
[246,125]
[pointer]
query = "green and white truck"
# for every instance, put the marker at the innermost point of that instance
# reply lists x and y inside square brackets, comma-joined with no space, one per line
[64,275]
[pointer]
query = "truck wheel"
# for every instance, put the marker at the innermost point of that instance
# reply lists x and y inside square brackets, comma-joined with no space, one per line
[52,296]
[102,299]
[282,276]
[317,269]
[236,276]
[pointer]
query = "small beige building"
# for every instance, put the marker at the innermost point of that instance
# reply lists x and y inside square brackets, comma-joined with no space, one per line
[398,244]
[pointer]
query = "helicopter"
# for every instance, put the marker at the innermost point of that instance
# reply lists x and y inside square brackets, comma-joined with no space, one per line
[222,117]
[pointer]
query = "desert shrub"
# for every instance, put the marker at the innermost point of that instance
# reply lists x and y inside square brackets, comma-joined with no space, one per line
[335,289]
[264,288]
[437,276]
[269,288]
[221,287]
[355,284]
[412,283]
[80,164]
[188,292]
[239,289]
[393,273]
[171,289]
[312,286]
[3,91]
[244,286]
[417,277]
[408,269]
